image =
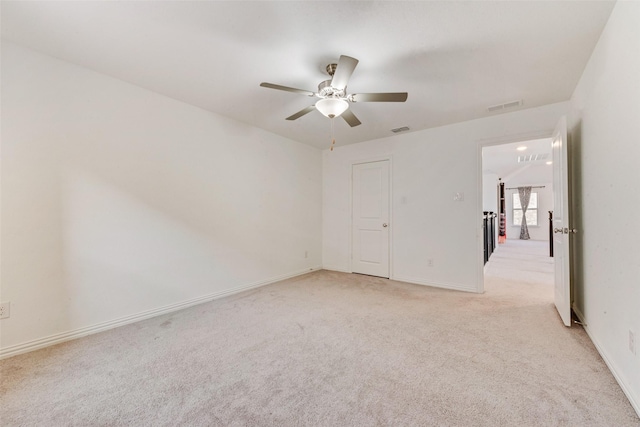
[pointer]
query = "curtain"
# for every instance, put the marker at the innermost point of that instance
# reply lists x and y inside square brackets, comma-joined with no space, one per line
[525,194]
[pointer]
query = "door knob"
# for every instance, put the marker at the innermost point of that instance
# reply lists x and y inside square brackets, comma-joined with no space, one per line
[385,225]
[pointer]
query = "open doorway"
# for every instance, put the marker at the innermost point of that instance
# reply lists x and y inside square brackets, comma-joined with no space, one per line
[517,190]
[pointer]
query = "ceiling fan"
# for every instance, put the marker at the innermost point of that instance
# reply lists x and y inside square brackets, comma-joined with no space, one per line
[334,100]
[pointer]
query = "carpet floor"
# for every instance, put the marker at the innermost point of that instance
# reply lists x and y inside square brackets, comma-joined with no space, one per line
[333,349]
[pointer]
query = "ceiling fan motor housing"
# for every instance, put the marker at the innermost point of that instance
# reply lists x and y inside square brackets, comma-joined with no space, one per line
[325,90]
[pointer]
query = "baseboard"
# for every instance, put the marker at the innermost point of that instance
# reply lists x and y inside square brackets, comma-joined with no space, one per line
[634,400]
[111,324]
[450,286]
[334,268]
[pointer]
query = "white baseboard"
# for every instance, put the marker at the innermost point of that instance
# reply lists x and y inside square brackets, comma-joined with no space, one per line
[450,286]
[110,324]
[334,268]
[634,400]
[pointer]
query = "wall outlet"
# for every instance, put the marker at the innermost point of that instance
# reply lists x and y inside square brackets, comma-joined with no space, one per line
[5,310]
[458,197]
[430,262]
[306,254]
[632,342]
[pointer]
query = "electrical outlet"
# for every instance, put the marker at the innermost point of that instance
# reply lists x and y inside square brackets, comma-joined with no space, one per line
[458,197]
[5,310]
[430,262]
[632,342]
[306,254]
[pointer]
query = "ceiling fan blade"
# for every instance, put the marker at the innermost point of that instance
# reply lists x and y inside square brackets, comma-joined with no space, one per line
[302,112]
[286,88]
[346,65]
[380,97]
[350,118]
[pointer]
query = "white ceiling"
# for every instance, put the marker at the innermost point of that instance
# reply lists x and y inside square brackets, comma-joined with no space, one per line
[453,58]
[502,160]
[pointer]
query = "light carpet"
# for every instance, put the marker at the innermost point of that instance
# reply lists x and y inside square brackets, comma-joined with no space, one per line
[332,349]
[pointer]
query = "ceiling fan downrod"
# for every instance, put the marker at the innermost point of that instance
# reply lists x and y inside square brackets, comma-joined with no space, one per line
[331,69]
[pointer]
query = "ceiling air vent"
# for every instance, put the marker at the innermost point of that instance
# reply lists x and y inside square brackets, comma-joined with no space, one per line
[532,157]
[504,106]
[402,129]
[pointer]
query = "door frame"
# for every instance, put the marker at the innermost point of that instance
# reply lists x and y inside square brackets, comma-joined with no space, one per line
[481,143]
[381,158]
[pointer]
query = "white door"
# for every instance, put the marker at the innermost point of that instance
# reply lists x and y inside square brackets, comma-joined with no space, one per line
[561,222]
[370,229]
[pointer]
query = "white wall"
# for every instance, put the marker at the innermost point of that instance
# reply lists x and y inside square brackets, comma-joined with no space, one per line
[117,201]
[428,167]
[605,141]
[490,192]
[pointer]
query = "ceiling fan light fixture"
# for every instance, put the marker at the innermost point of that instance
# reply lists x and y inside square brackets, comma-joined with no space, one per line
[332,107]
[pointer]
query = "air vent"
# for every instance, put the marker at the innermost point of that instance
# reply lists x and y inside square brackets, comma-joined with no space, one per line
[402,129]
[532,157]
[504,106]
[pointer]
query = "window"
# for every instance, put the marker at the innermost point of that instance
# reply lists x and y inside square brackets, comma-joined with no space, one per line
[532,209]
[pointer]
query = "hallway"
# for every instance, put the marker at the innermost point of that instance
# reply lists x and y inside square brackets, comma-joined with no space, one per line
[522,268]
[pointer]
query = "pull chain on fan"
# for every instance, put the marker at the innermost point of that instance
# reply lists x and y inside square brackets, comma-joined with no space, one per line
[333,138]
